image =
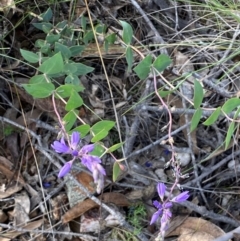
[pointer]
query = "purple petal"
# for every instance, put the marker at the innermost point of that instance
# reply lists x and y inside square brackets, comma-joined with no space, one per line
[164,224]
[161,188]
[95,175]
[155,216]
[157,204]
[95,159]
[75,138]
[167,213]
[100,184]
[182,197]
[86,161]
[60,147]
[101,169]
[65,169]
[87,148]
[167,205]
[63,141]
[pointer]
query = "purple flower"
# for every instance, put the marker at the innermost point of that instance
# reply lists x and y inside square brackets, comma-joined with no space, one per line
[164,208]
[165,219]
[86,149]
[90,161]
[182,197]
[161,188]
[72,148]
[156,215]
[60,146]
[93,165]
[65,169]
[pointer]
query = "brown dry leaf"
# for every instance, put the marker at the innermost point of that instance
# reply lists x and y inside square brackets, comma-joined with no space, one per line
[28,117]
[82,207]
[4,161]
[86,180]
[192,235]
[56,206]
[3,217]
[21,209]
[117,82]
[10,191]
[6,170]
[74,193]
[13,146]
[114,51]
[145,193]
[94,100]
[30,226]
[191,226]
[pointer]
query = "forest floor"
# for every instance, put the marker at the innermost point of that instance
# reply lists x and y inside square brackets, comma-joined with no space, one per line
[154,85]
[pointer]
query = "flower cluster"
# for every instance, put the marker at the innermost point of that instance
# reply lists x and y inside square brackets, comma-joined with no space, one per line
[90,161]
[164,207]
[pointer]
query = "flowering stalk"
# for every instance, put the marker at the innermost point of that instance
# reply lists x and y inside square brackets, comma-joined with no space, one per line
[164,208]
[90,161]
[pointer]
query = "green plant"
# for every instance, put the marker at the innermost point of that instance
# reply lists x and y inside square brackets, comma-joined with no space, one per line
[137,213]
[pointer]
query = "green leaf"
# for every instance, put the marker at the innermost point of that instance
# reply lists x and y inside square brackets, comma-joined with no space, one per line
[47,15]
[61,25]
[114,147]
[164,93]
[129,58]
[72,79]
[29,56]
[213,117]
[65,90]
[46,49]
[102,125]
[38,79]
[70,68]
[74,101]
[195,119]
[53,65]
[230,105]
[127,32]
[116,171]
[45,27]
[98,150]
[88,37]
[198,94]
[99,136]
[40,43]
[83,23]
[82,129]
[111,38]
[77,49]
[70,119]
[143,68]
[229,134]
[52,38]
[99,28]
[41,90]
[65,51]
[83,69]
[162,62]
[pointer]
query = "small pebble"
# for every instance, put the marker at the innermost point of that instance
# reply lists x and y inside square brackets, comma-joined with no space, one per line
[184,158]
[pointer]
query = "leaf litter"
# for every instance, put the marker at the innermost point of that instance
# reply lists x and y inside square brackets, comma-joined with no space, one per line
[202,39]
